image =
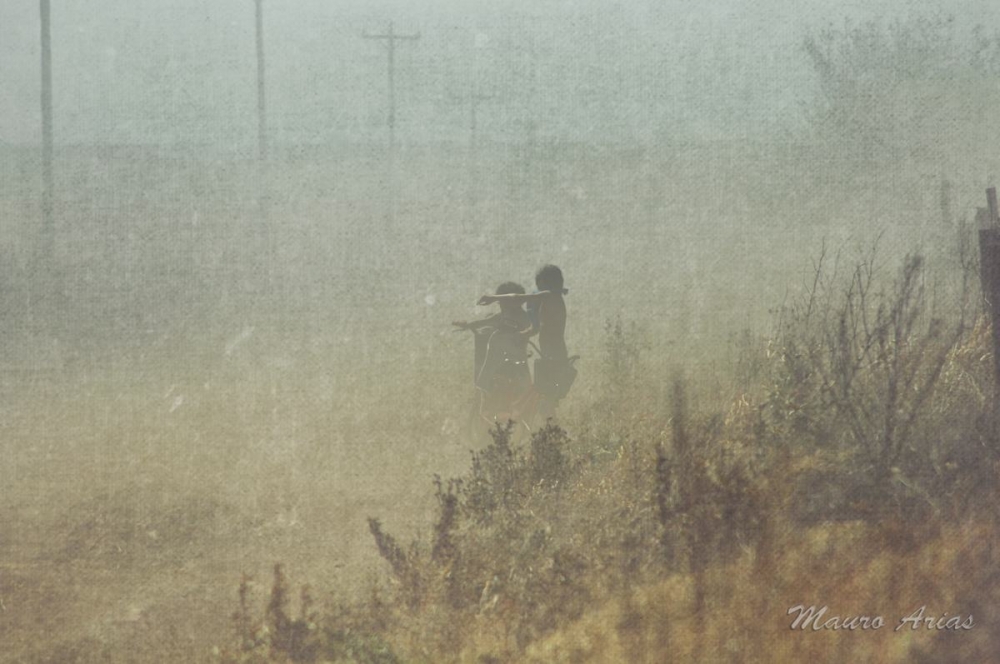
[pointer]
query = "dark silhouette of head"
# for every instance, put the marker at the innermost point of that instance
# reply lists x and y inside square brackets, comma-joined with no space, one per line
[510,288]
[549,278]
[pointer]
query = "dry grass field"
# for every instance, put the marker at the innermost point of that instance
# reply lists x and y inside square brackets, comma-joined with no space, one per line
[195,395]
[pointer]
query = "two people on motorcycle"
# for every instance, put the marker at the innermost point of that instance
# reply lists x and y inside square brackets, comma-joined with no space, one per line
[501,361]
[502,371]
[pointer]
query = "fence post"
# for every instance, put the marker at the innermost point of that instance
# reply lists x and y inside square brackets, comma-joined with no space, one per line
[989,273]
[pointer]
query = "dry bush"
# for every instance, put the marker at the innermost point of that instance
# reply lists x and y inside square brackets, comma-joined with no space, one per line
[706,494]
[492,550]
[692,539]
[857,366]
[894,87]
[280,637]
[847,567]
[530,539]
[627,402]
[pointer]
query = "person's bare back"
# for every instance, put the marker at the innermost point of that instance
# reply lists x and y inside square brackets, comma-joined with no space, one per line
[552,326]
[554,372]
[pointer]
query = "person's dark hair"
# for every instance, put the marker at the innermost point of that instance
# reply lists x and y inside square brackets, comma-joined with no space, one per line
[509,287]
[549,278]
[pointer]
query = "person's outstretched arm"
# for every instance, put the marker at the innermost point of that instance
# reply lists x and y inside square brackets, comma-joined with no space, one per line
[516,298]
[476,324]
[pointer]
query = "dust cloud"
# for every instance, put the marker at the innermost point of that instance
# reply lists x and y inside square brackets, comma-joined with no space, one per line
[213,361]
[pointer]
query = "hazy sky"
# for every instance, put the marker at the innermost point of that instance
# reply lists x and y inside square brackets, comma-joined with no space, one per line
[183,71]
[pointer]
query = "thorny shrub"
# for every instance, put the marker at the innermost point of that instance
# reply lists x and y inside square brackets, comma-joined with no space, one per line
[862,400]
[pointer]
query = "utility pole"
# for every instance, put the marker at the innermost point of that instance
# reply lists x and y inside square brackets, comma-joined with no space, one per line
[390,38]
[48,179]
[265,235]
[989,273]
[524,68]
[475,99]
[530,151]
[261,106]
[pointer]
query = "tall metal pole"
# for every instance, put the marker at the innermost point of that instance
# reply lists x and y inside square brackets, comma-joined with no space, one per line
[48,180]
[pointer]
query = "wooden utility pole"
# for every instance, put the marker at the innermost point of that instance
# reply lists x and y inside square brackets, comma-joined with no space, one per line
[475,99]
[390,38]
[989,258]
[264,233]
[261,105]
[531,119]
[525,69]
[48,178]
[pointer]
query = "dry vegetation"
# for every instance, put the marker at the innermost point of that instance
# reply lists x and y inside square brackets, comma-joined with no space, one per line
[203,421]
[856,468]
[173,428]
[193,391]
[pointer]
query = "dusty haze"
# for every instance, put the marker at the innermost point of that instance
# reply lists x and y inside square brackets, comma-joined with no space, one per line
[219,362]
